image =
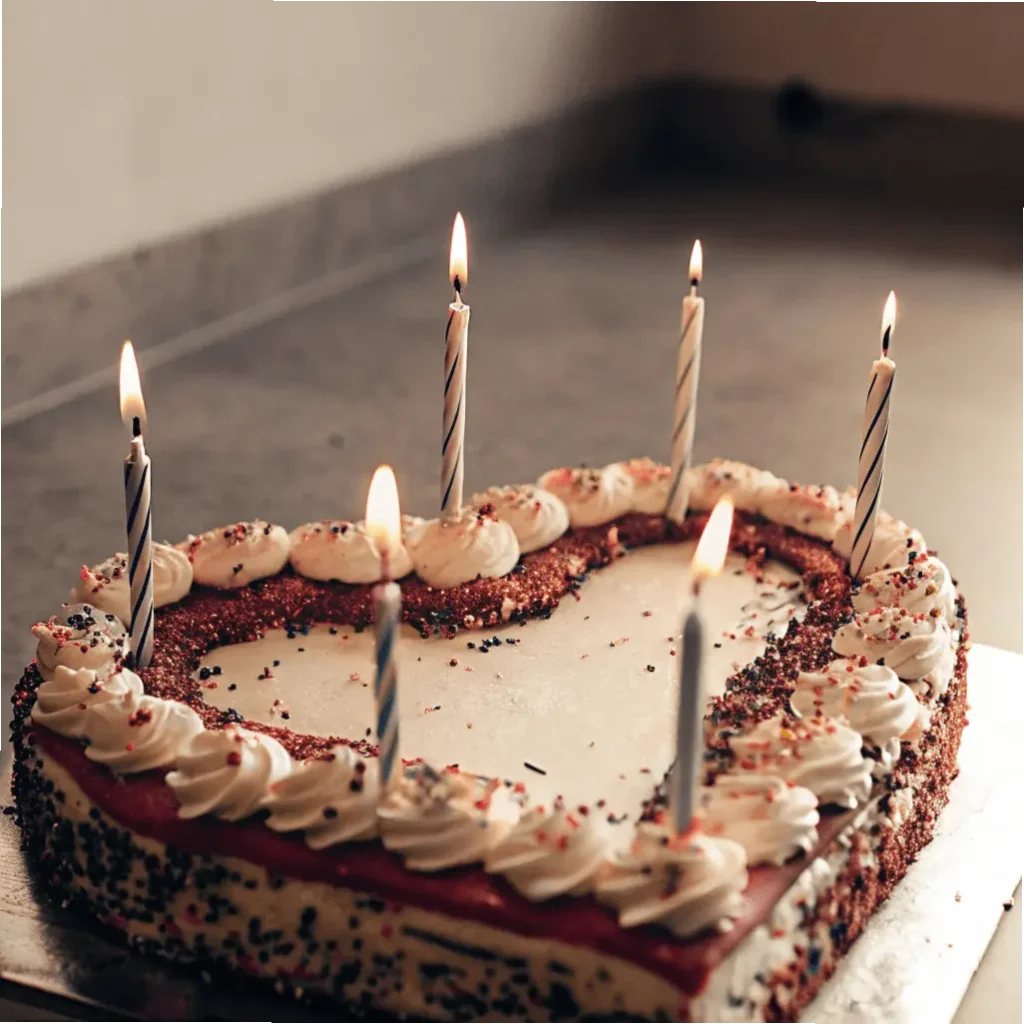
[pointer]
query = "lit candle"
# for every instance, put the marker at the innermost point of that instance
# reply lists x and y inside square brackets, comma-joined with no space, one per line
[691,332]
[875,433]
[384,524]
[138,504]
[456,337]
[708,560]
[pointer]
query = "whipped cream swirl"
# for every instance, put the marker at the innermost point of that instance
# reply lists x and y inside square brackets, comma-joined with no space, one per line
[335,549]
[475,544]
[746,485]
[233,556]
[685,884]
[332,800]
[537,516]
[820,754]
[437,820]
[553,850]
[136,734]
[870,697]
[82,636]
[915,647]
[894,545]
[814,511]
[63,702]
[651,482]
[227,772]
[924,587]
[771,819]
[107,586]
[592,496]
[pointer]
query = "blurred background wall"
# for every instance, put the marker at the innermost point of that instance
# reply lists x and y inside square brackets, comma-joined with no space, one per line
[127,122]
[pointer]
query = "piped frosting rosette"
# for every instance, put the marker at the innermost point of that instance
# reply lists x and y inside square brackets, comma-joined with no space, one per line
[772,820]
[870,697]
[63,701]
[593,497]
[537,517]
[684,883]
[137,734]
[553,850]
[475,544]
[336,549]
[917,647]
[821,754]
[107,586]
[233,556]
[924,587]
[227,773]
[331,800]
[437,820]
[82,636]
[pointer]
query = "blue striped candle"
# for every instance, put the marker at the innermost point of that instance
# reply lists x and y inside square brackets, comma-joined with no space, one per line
[138,506]
[875,434]
[456,338]
[384,525]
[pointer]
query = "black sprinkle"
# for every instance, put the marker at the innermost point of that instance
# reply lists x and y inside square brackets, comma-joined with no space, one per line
[534,768]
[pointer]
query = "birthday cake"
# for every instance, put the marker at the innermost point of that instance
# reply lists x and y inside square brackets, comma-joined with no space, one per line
[523,860]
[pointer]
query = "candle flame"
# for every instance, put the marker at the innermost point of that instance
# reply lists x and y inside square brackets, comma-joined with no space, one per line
[458,259]
[696,262]
[383,514]
[713,545]
[888,321]
[132,404]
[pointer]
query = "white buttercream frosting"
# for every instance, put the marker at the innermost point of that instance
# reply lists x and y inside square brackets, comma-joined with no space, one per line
[471,545]
[592,496]
[82,636]
[746,485]
[820,754]
[893,546]
[336,549]
[227,772]
[538,517]
[107,586]
[922,587]
[233,556]
[63,702]
[915,647]
[552,850]
[814,511]
[136,734]
[686,883]
[651,483]
[331,800]
[772,820]
[870,697]
[437,820]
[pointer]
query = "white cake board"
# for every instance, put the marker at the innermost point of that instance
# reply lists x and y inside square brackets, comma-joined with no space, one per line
[917,955]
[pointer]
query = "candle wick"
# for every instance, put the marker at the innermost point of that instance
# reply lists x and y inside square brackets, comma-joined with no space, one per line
[694,281]
[886,336]
[136,426]
[385,564]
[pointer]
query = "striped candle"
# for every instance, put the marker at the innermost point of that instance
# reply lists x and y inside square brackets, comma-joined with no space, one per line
[384,524]
[871,464]
[691,333]
[456,337]
[138,506]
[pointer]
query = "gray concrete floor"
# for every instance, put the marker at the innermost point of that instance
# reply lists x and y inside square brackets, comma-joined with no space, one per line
[572,347]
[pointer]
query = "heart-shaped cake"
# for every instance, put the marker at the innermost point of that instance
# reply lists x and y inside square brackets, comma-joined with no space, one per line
[227,803]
